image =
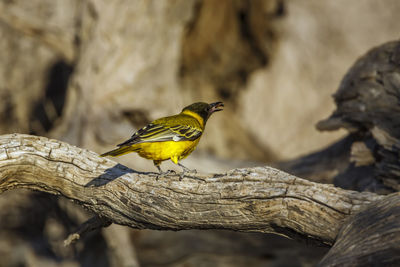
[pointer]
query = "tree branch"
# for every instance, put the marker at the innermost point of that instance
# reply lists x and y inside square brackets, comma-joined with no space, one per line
[93,223]
[369,237]
[260,199]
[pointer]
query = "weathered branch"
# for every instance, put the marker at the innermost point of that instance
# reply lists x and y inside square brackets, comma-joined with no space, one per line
[93,223]
[369,238]
[258,199]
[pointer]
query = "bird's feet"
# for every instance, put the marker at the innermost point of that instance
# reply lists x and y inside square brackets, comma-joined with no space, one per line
[185,170]
[161,173]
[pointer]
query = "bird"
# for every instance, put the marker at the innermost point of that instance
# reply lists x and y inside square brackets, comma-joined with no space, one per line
[173,137]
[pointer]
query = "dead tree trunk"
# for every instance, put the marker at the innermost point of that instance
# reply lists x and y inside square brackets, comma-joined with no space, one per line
[368,106]
[370,237]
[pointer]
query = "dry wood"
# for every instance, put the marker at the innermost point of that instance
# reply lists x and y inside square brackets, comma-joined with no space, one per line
[368,106]
[369,238]
[259,199]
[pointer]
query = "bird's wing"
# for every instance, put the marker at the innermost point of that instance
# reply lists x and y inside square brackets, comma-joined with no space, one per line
[158,131]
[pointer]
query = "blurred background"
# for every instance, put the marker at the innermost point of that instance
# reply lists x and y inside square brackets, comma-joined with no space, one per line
[92,72]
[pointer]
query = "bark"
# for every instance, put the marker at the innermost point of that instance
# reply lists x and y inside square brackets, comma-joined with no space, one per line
[260,199]
[368,106]
[370,237]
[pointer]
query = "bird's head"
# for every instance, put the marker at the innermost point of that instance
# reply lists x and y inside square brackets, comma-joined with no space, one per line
[204,110]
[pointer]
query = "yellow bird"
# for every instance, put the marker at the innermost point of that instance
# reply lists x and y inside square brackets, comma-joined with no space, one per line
[173,137]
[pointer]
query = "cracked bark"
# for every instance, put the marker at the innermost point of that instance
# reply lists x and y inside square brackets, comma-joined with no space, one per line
[260,199]
[370,237]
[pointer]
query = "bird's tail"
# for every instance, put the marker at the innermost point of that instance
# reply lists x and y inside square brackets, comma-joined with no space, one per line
[120,151]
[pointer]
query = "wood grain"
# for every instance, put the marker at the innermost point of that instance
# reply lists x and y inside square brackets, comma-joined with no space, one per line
[369,238]
[259,199]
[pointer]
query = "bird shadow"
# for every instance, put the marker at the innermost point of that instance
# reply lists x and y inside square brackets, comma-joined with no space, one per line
[111,174]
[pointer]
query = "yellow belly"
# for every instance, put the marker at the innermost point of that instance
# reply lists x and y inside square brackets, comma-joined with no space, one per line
[160,151]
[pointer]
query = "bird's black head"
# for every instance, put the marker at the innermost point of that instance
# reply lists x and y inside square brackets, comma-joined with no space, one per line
[203,109]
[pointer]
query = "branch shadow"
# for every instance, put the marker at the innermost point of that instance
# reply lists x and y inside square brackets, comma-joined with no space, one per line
[111,174]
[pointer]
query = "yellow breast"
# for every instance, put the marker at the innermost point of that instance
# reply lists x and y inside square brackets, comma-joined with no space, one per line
[166,150]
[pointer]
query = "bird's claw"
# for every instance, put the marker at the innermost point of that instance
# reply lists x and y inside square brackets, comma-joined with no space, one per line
[186,170]
[160,174]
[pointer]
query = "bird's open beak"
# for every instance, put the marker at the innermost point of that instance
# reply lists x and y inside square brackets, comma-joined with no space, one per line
[217,106]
